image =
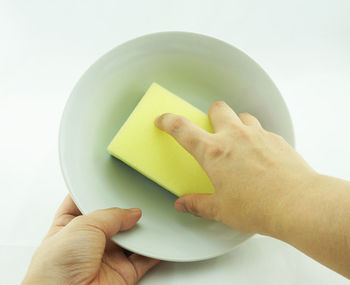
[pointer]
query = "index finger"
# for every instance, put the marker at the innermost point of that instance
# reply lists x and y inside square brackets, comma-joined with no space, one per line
[185,132]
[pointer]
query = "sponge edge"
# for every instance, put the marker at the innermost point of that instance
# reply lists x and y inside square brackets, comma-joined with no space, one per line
[154,153]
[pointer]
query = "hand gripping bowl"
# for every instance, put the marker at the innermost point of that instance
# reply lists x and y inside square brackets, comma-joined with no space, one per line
[201,70]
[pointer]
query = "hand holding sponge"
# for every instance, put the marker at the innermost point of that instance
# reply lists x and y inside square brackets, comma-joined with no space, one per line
[154,153]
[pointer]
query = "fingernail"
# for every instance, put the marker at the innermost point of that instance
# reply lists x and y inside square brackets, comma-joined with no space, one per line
[156,121]
[135,210]
[180,207]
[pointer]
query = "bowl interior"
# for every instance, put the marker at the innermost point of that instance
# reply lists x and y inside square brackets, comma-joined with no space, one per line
[197,68]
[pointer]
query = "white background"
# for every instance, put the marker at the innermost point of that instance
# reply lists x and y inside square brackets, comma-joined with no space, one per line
[46,46]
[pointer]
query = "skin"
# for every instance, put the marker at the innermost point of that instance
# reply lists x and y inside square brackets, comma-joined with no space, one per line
[262,185]
[78,249]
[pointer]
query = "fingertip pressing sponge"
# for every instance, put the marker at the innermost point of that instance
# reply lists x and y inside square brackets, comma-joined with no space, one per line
[154,153]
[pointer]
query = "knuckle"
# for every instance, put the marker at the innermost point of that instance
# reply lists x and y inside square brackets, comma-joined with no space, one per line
[245,133]
[215,151]
[176,123]
[191,207]
[245,115]
[278,137]
[63,220]
[233,126]
[275,136]
[80,222]
[192,142]
[209,210]
[88,222]
[249,120]
[80,219]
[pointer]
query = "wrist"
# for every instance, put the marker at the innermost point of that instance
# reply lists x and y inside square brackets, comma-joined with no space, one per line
[32,279]
[291,205]
[36,275]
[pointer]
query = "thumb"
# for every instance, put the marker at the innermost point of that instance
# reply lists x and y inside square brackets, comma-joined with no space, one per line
[109,221]
[200,205]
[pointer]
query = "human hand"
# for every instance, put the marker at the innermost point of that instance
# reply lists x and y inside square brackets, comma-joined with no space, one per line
[78,249]
[255,173]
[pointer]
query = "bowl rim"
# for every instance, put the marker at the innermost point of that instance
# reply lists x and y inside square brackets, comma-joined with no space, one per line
[106,54]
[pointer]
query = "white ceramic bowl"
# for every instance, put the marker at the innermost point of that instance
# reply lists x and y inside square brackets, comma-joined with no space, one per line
[198,68]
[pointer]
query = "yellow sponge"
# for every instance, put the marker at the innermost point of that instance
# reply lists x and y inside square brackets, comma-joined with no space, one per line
[154,153]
